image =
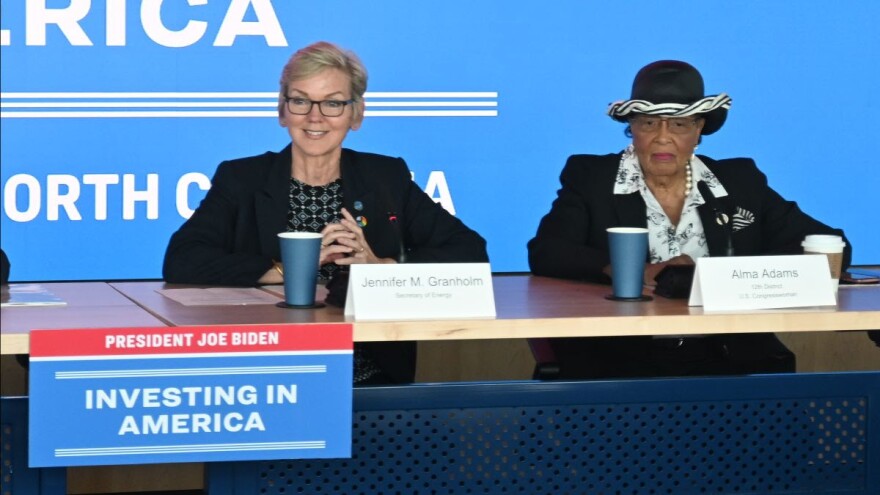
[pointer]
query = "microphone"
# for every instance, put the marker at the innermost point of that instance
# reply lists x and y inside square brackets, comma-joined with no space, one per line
[392,219]
[721,218]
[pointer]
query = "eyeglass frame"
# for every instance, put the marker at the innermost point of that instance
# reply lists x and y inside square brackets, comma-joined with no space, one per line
[320,103]
[634,123]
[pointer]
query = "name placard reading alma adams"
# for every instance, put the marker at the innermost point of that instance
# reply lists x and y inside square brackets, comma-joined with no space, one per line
[419,291]
[189,394]
[761,282]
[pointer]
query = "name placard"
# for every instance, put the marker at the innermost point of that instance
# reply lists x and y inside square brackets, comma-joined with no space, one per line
[420,291]
[762,282]
[189,394]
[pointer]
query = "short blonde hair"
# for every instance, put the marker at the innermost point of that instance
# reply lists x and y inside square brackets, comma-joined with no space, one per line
[320,56]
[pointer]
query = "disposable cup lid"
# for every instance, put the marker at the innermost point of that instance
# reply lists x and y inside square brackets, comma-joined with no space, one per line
[823,240]
[832,244]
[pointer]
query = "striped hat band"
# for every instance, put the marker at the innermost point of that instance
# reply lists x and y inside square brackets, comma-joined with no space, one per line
[620,109]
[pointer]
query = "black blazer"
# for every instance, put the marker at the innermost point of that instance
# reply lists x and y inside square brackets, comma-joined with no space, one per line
[572,243]
[231,239]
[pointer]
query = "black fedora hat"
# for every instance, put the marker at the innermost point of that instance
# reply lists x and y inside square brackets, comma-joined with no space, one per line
[675,89]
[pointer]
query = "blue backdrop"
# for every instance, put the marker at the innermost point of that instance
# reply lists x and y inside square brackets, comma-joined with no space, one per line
[108,105]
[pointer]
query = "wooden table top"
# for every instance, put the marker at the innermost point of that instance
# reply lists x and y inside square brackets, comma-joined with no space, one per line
[526,306]
[540,307]
[89,305]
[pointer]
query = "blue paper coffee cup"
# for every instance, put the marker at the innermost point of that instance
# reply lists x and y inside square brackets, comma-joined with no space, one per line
[629,251]
[300,252]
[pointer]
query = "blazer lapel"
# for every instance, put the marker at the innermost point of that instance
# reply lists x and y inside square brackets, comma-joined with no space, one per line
[716,234]
[271,204]
[630,210]
[364,195]
[357,197]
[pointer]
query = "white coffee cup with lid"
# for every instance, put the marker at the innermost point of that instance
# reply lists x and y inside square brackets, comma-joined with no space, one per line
[832,247]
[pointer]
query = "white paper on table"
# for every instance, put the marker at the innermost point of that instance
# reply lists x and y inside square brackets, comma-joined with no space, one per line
[219,296]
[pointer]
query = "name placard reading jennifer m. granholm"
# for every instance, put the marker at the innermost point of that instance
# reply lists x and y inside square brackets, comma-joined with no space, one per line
[190,394]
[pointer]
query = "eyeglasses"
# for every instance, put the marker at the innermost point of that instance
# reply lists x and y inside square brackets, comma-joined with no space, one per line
[329,108]
[648,124]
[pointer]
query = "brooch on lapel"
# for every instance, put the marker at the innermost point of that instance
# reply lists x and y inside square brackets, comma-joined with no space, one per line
[742,218]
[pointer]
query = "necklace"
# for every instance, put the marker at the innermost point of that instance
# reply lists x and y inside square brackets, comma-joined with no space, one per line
[689,179]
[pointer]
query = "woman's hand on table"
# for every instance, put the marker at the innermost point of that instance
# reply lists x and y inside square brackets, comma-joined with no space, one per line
[652,269]
[345,244]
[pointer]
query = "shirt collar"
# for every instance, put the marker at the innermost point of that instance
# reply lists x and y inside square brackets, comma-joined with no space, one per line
[630,179]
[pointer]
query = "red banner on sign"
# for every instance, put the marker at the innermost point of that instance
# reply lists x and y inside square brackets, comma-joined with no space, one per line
[191,340]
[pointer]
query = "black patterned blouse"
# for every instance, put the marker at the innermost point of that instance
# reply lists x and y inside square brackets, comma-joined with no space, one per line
[310,209]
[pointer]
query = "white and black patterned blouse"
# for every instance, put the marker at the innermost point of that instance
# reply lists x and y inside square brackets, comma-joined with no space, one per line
[666,241]
[310,209]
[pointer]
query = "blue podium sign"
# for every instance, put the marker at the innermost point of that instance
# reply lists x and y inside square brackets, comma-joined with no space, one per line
[190,394]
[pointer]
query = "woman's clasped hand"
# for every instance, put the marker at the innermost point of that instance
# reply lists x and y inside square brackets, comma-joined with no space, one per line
[344,243]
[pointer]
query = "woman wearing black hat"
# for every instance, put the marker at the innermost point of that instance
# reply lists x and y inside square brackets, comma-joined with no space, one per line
[692,205]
